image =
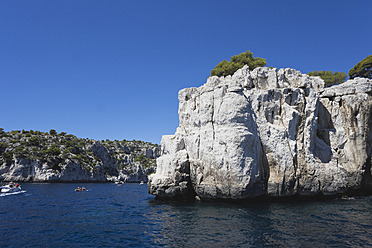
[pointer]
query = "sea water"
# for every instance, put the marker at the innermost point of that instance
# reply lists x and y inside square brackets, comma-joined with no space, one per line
[107,215]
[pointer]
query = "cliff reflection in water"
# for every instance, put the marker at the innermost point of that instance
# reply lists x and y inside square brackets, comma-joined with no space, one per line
[332,223]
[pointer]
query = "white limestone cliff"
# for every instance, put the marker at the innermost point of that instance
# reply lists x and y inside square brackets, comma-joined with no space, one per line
[267,132]
[99,161]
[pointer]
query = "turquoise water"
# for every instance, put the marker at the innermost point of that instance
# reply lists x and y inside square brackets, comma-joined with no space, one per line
[54,215]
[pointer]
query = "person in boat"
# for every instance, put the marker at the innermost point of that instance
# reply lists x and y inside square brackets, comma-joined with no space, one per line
[81,189]
[11,185]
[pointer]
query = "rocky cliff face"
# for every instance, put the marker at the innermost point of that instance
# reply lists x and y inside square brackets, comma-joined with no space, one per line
[267,132]
[34,156]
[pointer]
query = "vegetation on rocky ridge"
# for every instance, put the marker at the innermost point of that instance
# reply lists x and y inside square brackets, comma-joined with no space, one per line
[330,78]
[362,69]
[56,149]
[225,68]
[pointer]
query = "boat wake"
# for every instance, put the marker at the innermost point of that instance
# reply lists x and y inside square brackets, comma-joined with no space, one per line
[13,193]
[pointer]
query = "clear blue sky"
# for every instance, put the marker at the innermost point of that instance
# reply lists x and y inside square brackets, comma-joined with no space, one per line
[113,69]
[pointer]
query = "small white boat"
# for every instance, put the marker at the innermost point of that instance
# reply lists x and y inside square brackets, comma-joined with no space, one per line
[141,182]
[10,189]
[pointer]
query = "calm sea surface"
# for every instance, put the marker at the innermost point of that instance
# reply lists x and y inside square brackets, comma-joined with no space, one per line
[54,215]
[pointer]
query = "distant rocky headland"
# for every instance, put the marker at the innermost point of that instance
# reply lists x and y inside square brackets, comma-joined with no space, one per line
[34,156]
[268,132]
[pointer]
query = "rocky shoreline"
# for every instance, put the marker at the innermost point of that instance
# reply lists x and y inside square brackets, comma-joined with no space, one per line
[268,133]
[34,156]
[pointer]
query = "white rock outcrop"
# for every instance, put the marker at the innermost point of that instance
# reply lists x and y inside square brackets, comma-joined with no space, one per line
[267,132]
[94,161]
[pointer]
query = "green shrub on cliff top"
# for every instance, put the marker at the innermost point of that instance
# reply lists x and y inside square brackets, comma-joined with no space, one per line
[362,69]
[52,132]
[225,68]
[329,77]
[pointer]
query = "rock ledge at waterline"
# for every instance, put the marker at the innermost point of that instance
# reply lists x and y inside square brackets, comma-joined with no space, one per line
[267,132]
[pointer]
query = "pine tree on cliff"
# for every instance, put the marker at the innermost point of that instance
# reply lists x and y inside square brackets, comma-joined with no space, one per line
[330,78]
[362,69]
[225,68]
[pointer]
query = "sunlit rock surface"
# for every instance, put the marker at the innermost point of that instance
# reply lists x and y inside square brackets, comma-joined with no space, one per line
[267,132]
[27,156]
